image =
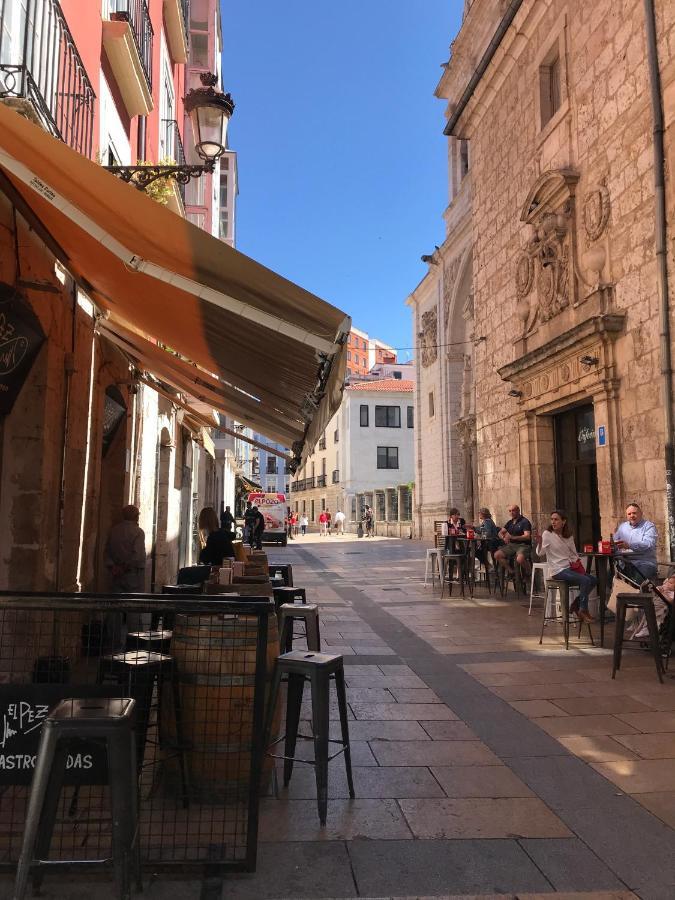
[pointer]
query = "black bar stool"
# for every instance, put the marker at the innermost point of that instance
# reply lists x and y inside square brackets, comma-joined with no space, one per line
[288,595]
[448,563]
[318,669]
[563,588]
[150,641]
[138,672]
[101,718]
[283,569]
[309,614]
[645,602]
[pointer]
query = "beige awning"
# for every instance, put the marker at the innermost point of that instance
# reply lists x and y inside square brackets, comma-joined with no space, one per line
[259,342]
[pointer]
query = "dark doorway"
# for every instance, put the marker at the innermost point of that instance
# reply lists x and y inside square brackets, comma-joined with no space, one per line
[577,473]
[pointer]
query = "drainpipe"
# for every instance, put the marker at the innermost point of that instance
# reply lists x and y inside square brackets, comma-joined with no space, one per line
[660,239]
[69,369]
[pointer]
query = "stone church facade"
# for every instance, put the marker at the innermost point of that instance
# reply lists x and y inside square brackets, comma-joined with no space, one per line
[549,269]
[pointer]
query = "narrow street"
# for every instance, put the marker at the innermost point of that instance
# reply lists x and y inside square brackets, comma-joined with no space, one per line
[484,764]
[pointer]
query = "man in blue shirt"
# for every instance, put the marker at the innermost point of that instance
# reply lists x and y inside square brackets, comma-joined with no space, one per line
[635,542]
[517,537]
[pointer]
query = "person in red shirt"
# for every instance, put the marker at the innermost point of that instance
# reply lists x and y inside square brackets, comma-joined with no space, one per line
[323,523]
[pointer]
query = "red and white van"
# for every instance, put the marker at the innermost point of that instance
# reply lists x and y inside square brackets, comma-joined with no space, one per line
[273,507]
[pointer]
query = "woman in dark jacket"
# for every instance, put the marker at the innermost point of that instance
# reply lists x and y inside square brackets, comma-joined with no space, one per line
[218,546]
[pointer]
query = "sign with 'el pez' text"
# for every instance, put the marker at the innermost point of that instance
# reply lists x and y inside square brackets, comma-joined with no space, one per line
[23,710]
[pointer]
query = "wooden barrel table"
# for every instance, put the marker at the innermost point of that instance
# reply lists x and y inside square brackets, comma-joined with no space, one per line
[215,668]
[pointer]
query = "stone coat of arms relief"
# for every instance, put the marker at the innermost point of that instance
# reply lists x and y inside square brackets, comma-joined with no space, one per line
[547,272]
[428,338]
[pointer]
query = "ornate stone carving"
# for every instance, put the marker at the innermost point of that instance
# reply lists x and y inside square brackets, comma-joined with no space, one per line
[546,262]
[429,338]
[524,273]
[596,211]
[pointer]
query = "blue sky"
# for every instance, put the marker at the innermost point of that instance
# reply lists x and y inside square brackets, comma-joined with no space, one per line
[342,160]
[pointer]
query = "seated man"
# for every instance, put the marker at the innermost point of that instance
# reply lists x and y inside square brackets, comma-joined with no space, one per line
[635,543]
[517,537]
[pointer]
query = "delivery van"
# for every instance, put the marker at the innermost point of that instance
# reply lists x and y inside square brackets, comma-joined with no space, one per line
[273,507]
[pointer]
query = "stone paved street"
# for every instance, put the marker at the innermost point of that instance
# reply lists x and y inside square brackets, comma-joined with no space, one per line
[484,764]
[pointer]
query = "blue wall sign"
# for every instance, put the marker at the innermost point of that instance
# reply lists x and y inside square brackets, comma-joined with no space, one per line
[602,436]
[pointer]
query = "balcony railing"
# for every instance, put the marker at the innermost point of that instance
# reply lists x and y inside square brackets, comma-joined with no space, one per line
[173,148]
[336,476]
[135,12]
[321,481]
[309,483]
[39,63]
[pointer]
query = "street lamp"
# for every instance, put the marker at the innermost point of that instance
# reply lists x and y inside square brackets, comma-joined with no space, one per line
[210,111]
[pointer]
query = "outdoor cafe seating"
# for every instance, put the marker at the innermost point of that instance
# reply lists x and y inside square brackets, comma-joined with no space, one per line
[200,764]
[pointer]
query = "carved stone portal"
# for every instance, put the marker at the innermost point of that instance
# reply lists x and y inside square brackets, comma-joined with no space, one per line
[429,338]
[547,262]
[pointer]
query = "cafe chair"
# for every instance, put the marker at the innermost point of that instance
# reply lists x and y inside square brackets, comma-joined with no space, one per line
[432,562]
[319,669]
[537,567]
[557,609]
[104,719]
[448,563]
[645,603]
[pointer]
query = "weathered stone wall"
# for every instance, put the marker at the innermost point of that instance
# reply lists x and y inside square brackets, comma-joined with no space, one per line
[603,133]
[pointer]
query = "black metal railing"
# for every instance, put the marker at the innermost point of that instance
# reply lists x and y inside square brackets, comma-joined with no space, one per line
[173,148]
[336,476]
[309,483]
[321,481]
[199,751]
[39,62]
[136,13]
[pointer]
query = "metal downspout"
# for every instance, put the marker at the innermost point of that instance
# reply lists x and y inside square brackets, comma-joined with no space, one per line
[660,239]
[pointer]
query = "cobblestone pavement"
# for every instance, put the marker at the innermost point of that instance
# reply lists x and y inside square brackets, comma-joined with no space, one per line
[485,765]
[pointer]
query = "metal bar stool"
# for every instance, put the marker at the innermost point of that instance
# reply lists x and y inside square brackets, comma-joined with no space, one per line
[288,595]
[107,719]
[309,614]
[318,669]
[448,562]
[551,613]
[645,602]
[432,562]
[285,570]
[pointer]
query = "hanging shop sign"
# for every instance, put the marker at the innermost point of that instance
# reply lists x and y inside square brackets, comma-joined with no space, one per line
[21,337]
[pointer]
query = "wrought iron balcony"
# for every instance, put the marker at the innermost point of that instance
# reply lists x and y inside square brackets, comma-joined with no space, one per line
[172,148]
[309,483]
[136,13]
[321,481]
[40,65]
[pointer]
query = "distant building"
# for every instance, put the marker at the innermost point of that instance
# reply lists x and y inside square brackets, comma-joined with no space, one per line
[366,456]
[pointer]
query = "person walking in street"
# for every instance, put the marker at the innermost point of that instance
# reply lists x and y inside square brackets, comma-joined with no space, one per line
[368,521]
[329,521]
[339,522]
[249,522]
[304,522]
[323,523]
[226,518]
[258,528]
[557,544]
[635,546]
[125,554]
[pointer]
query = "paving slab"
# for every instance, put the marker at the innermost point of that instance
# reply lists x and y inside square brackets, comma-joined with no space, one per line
[396,869]
[570,866]
[375,782]
[295,870]
[639,776]
[482,818]
[352,820]
[649,746]
[598,748]
[383,731]
[480,781]
[433,753]
[449,731]
[397,712]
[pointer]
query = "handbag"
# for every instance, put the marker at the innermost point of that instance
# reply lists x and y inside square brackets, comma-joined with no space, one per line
[578,566]
[622,585]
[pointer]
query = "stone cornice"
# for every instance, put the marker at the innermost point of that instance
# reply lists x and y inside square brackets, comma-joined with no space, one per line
[506,56]
[605,326]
